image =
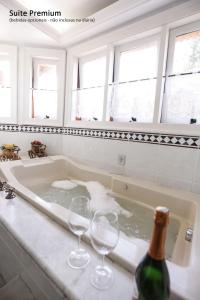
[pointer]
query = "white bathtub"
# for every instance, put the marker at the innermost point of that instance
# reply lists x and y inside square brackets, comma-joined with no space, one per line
[184,267]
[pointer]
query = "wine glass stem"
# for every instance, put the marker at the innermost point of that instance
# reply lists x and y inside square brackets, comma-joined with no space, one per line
[103,261]
[79,241]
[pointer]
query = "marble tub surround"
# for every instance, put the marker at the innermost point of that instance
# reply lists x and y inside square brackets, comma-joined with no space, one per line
[48,246]
[16,289]
[185,205]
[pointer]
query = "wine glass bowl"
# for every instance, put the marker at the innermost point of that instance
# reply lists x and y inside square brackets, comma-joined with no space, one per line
[104,232]
[78,221]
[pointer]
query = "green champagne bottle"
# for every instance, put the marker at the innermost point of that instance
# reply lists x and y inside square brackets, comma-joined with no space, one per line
[152,276]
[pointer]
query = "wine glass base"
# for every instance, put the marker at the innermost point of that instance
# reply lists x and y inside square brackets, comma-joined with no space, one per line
[78,258]
[102,278]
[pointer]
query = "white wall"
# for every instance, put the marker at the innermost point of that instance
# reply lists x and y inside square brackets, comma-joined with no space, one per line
[170,166]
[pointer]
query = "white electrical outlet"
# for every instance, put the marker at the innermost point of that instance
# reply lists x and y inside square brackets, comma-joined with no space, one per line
[121,159]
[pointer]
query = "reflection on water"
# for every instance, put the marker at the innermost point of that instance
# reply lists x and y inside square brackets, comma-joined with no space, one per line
[138,225]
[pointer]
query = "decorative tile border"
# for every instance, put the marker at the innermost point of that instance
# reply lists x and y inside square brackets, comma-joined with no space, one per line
[140,137]
[30,128]
[111,134]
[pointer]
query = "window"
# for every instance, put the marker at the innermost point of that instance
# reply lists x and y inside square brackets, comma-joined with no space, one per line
[132,95]
[8,83]
[43,96]
[182,90]
[5,87]
[42,85]
[88,92]
[150,80]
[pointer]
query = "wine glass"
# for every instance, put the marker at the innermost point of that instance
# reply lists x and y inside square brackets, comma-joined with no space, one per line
[79,220]
[104,232]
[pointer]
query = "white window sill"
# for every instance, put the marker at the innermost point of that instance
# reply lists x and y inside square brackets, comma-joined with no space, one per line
[42,122]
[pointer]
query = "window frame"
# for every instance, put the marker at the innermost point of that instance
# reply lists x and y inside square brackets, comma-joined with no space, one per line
[137,43]
[12,52]
[112,53]
[73,65]
[181,19]
[27,54]
[173,33]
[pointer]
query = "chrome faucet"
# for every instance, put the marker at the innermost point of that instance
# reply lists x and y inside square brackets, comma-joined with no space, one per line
[4,186]
[189,234]
[10,193]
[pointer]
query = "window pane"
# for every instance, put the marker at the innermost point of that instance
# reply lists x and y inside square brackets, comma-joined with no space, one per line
[88,100]
[5,102]
[45,76]
[93,72]
[4,73]
[133,100]
[139,63]
[182,99]
[43,104]
[182,91]
[43,94]
[187,53]
[88,104]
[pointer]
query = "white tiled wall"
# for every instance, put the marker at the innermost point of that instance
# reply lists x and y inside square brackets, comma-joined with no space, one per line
[170,166]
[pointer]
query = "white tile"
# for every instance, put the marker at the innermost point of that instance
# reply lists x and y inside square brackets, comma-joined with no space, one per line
[141,160]
[98,152]
[196,178]
[104,153]
[176,162]
[170,166]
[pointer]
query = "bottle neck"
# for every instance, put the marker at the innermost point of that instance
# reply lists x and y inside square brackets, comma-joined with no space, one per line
[157,245]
